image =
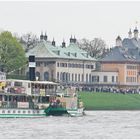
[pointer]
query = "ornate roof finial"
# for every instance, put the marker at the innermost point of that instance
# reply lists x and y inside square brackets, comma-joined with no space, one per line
[136,29]
[45,36]
[118,41]
[74,40]
[130,33]
[136,32]
[63,43]
[136,23]
[53,42]
[71,39]
[118,38]
[41,36]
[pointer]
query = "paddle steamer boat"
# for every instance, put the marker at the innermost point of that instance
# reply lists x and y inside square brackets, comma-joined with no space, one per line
[25,98]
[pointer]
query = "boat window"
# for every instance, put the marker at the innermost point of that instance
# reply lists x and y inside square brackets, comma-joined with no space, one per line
[38,111]
[14,111]
[40,99]
[29,85]
[45,99]
[10,98]
[5,98]
[24,111]
[3,111]
[8,111]
[22,98]
[8,83]
[19,111]
[29,112]
[50,86]
[0,97]
[29,99]
[18,84]
[46,86]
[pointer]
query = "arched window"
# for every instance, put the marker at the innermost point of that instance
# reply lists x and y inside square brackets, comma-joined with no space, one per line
[86,77]
[46,76]
[82,78]
[93,79]
[90,78]
[52,78]
[72,77]
[37,74]
[58,76]
[61,76]
[68,76]
[76,77]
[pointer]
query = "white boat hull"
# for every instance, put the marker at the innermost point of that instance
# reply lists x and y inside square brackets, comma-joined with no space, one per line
[33,113]
[21,113]
[76,113]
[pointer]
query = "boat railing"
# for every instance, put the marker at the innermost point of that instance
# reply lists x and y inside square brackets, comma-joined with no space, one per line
[43,93]
[21,90]
[11,104]
[65,93]
[6,104]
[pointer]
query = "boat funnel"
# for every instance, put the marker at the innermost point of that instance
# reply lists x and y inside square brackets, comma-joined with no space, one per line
[32,66]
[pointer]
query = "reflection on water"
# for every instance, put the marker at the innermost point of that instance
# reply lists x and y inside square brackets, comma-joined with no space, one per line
[96,124]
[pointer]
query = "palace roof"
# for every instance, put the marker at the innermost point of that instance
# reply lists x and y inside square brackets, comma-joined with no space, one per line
[128,52]
[45,49]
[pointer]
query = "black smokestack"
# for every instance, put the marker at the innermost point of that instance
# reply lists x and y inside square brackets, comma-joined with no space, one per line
[32,68]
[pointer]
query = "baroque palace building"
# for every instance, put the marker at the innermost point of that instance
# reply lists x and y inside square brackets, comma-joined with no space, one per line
[121,66]
[65,64]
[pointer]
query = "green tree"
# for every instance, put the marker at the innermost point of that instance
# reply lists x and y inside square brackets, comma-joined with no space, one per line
[12,55]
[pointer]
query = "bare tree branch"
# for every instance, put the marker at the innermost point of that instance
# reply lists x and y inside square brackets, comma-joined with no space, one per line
[29,40]
[94,47]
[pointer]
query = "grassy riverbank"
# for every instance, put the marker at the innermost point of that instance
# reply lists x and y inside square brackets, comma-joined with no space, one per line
[110,101]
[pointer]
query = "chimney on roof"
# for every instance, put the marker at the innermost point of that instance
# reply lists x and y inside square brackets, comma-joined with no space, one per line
[53,42]
[41,36]
[45,37]
[136,33]
[63,44]
[118,41]
[130,34]
[73,40]
[32,66]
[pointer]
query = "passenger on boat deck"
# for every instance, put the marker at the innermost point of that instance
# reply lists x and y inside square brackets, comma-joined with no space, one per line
[2,88]
[5,89]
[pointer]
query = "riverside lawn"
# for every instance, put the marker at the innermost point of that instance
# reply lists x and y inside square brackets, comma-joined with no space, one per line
[110,101]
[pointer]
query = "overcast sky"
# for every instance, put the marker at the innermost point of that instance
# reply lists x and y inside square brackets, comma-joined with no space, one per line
[61,19]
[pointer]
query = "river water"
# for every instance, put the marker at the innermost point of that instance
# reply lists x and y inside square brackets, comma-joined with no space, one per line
[95,124]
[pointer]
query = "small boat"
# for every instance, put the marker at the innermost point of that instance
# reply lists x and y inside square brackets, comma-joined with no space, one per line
[25,98]
[67,104]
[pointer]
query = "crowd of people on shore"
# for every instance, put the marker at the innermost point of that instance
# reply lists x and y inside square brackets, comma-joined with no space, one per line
[112,90]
